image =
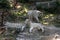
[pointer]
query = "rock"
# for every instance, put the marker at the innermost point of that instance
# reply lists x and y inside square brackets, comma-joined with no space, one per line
[51,37]
[15,25]
[48,4]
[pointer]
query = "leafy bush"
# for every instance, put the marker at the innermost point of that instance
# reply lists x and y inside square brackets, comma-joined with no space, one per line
[4,4]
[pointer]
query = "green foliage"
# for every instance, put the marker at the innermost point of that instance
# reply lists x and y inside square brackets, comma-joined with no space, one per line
[4,4]
[23,1]
[3,1]
[17,14]
[11,17]
[21,12]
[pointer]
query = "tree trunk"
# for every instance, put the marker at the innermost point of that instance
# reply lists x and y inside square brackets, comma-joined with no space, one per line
[2,18]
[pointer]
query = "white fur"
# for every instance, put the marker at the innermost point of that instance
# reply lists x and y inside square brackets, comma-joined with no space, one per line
[34,13]
[15,25]
[34,25]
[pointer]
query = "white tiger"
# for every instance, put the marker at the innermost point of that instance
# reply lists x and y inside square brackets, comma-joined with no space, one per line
[34,13]
[34,25]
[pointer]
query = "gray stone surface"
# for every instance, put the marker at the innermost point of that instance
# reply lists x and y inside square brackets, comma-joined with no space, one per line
[48,34]
[38,35]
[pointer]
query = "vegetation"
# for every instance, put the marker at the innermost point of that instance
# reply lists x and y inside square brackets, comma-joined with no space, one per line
[19,13]
[22,11]
[4,4]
